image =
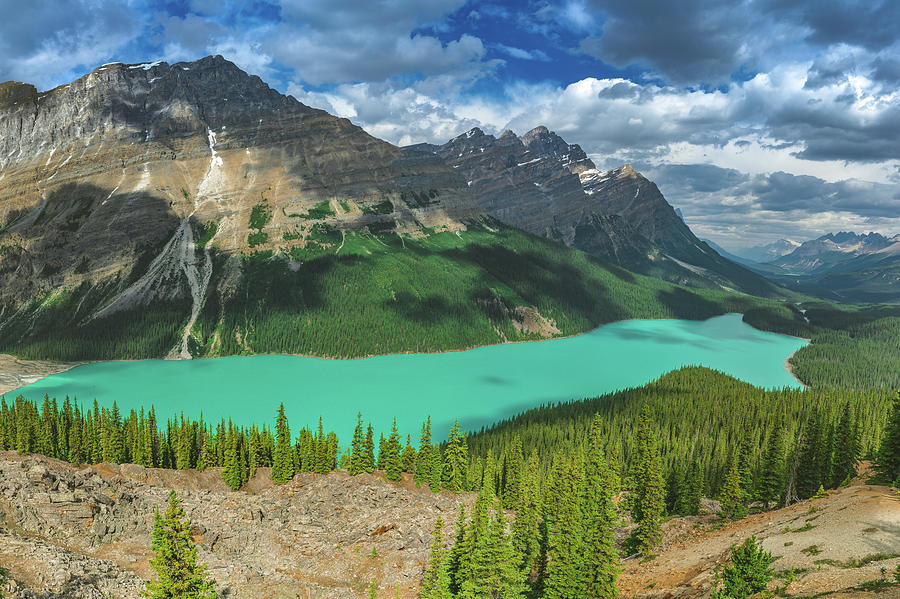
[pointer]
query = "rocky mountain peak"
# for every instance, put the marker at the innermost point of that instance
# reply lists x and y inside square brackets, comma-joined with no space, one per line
[544,143]
[13,92]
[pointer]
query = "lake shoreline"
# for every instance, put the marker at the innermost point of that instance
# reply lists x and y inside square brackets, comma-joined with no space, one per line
[32,371]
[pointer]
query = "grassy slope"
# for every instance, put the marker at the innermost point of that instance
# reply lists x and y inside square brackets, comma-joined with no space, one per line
[378,294]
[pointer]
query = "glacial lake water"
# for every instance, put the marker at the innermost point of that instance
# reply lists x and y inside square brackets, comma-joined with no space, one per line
[478,386]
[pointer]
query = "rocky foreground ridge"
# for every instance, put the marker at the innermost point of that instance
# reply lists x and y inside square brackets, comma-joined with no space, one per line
[85,532]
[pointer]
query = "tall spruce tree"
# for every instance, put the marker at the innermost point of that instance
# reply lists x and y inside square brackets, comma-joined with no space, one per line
[231,473]
[408,456]
[357,448]
[178,573]
[423,457]
[283,458]
[564,576]
[598,512]
[846,451]
[436,580]
[456,460]
[648,502]
[771,479]
[369,450]
[809,465]
[393,467]
[887,461]
[732,494]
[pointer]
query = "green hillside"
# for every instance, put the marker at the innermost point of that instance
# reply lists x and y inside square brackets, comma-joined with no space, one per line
[356,294]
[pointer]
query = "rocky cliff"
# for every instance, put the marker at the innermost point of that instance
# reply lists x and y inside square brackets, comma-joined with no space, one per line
[544,185]
[85,532]
[126,180]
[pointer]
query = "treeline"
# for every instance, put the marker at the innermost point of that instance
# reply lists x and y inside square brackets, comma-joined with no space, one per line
[850,348]
[703,419]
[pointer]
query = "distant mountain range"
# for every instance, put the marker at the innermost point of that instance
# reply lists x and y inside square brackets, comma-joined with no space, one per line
[841,266]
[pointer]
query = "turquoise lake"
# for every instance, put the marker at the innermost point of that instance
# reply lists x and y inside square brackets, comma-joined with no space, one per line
[478,386]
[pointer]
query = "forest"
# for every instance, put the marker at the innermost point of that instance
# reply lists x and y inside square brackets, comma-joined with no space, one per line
[624,461]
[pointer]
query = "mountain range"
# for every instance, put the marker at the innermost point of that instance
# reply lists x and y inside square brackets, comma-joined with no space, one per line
[843,266]
[189,209]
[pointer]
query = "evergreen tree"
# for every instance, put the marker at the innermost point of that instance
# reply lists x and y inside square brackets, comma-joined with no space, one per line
[528,512]
[436,469]
[408,456]
[423,461]
[357,448]
[459,555]
[514,465]
[771,478]
[809,466]
[436,582]
[732,494]
[745,466]
[178,574]
[393,467]
[749,572]
[649,489]
[598,512]
[369,450]
[846,451]
[456,460]
[282,460]
[231,473]
[888,458]
[382,452]
[493,569]
[564,577]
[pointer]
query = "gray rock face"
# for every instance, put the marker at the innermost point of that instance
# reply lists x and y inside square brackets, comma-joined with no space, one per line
[96,172]
[542,184]
[74,531]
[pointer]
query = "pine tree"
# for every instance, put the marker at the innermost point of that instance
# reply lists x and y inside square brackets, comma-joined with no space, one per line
[846,451]
[564,577]
[528,512]
[493,570]
[456,460]
[382,452]
[649,489]
[749,572]
[732,495]
[809,466]
[745,466]
[408,456]
[178,574]
[393,467]
[357,448]
[436,582]
[369,450]
[283,460]
[231,473]
[888,458]
[515,463]
[771,478]
[435,469]
[459,555]
[423,461]
[598,512]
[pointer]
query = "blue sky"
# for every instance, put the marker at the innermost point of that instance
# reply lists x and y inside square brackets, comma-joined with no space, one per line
[759,119]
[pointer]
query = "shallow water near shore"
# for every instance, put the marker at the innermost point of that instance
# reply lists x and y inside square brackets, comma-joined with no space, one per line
[478,386]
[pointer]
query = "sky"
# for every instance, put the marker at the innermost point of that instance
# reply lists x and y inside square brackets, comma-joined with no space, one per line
[758,119]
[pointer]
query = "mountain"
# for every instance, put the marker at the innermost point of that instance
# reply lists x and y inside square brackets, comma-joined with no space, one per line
[726,254]
[758,254]
[842,266]
[542,184]
[187,210]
